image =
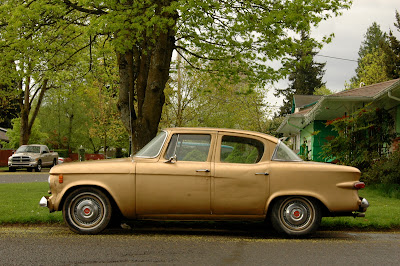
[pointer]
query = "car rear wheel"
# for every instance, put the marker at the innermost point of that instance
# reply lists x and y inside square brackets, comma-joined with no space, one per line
[87,211]
[296,216]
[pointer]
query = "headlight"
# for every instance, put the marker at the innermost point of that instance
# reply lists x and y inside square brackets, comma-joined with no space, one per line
[33,159]
[48,180]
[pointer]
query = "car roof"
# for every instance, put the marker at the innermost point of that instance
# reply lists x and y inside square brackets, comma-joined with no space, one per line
[226,130]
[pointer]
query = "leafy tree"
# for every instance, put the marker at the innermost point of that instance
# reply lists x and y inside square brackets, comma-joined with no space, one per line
[322,91]
[37,136]
[193,99]
[35,47]
[373,68]
[372,40]
[232,38]
[306,76]
[9,106]
[379,58]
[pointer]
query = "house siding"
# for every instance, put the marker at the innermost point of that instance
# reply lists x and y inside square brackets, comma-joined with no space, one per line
[316,134]
[322,134]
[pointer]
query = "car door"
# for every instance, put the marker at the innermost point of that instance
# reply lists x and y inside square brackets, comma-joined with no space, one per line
[240,185]
[179,183]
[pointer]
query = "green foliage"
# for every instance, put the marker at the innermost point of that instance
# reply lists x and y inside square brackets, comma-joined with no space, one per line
[306,75]
[379,57]
[323,90]
[37,136]
[385,170]
[362,137]
[195,100]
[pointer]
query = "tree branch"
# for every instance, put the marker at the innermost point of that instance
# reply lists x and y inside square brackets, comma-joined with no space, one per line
[84,10]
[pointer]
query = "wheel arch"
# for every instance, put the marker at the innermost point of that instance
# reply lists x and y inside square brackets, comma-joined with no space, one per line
[324,209]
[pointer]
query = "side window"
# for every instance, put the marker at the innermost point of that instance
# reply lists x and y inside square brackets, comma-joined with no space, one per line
[189,147]
[241,150]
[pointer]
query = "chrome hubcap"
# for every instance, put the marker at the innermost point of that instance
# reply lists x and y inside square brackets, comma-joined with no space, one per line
[297,214]
[87,211]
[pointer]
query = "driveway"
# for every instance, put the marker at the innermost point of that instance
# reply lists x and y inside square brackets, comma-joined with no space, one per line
[24,177]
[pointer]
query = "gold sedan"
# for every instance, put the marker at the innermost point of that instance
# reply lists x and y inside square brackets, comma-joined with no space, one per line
[206,174]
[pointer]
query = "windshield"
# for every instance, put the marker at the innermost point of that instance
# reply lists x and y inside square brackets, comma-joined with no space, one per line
[284,153]
[32,149]
[153,148]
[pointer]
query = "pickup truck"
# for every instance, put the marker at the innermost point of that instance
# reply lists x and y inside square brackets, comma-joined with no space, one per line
[32,157]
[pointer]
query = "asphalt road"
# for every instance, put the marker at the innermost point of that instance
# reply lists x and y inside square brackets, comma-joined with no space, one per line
[22,176]
[56,245]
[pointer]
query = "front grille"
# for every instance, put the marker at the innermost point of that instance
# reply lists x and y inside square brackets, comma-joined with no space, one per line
[21,159]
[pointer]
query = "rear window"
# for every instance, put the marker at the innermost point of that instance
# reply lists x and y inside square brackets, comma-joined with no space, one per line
[284,153]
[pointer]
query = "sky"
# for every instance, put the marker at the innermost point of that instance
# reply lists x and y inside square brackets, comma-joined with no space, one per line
[349,30]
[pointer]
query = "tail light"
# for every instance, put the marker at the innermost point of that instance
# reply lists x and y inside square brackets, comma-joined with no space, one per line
[359,185]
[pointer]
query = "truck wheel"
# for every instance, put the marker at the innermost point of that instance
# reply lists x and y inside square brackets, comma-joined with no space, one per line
[87,211]
[54,162]
[296,216]
[39,166]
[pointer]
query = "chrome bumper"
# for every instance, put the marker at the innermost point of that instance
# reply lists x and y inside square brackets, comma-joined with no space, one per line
[43,202]
[364,205]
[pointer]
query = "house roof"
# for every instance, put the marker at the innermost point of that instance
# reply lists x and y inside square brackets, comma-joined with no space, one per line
[385,94]
[302,101]
[3,135]
[366,91]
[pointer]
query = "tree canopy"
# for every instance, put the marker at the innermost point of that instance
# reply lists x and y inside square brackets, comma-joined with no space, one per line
[379,57]
[306,76]
[234,40]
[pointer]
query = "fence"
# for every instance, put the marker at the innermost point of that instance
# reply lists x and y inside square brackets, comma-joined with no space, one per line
[4,154]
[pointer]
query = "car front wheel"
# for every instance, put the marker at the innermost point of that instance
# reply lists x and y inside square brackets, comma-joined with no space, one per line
[39,166]
[87,211]
[296,216]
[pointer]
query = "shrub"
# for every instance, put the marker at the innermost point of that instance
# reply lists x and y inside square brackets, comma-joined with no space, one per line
[362,137]
[385,170]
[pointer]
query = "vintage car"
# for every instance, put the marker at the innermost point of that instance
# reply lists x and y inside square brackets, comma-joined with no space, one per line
[206,174]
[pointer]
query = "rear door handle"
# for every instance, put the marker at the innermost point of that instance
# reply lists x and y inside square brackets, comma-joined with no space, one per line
[203,170]
[262,173]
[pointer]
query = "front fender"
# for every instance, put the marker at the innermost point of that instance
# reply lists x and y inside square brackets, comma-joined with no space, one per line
[122,192]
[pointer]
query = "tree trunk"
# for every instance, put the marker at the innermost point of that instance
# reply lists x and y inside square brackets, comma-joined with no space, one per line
[143,76]
[26,105]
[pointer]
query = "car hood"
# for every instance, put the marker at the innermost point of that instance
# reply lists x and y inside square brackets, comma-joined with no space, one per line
[117,166]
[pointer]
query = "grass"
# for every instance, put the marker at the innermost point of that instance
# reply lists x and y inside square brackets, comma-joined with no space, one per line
[19,205]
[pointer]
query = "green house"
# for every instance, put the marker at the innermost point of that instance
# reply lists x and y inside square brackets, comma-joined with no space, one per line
[306,127]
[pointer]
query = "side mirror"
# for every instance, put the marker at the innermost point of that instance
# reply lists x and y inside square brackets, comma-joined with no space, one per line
[172,159]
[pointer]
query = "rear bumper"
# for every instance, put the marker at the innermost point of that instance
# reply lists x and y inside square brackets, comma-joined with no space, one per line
[364,204]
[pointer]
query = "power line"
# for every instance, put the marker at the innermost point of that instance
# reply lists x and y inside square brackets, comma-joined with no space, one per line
[338,58]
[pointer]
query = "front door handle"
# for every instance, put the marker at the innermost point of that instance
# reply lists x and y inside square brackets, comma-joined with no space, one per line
[262,173]
[203,170]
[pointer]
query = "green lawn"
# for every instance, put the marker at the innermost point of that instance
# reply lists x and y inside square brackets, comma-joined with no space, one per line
[20,204]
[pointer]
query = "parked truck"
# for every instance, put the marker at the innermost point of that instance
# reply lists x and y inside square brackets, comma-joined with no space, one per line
[32,157]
